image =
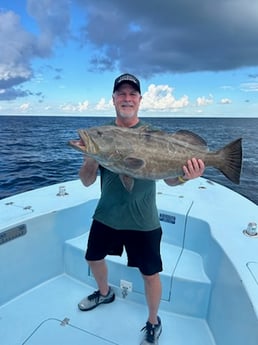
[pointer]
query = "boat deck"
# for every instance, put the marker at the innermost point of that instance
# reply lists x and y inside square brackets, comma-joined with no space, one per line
[48,314]
[209,278]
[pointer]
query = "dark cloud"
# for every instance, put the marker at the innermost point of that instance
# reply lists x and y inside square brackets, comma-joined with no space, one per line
[172,36]
[143,37]
[253,76]
[12,93]
[12,78]
[102,63]
[53,20]
[56,71]
[18,47]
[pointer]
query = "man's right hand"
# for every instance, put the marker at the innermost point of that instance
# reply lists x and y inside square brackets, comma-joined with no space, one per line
[88,171]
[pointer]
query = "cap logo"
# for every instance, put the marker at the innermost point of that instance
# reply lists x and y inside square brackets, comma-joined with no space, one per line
[126,78]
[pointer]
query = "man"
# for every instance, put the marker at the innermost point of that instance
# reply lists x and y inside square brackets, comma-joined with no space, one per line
[137,227]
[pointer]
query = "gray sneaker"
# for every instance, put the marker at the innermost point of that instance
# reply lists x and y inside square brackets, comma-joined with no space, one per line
[95,299]
[151,333]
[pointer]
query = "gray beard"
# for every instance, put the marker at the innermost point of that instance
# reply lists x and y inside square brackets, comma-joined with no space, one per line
[126,115]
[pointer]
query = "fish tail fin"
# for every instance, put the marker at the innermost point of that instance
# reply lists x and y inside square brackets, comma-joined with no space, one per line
[231,162]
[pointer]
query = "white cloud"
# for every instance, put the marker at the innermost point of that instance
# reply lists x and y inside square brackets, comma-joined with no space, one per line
[75,108]
[225,101]
[82,106]
[103,105]
[227,87]
[160,97]
[203,101]
[249,87]
[24,107]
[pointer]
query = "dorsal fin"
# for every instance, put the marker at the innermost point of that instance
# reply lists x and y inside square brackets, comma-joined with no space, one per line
[190,137]
[148,130]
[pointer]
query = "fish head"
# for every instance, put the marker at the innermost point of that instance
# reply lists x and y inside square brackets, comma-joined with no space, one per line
[97,140]
[87,142]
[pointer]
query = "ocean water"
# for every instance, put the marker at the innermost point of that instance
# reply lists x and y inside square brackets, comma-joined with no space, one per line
[34,151]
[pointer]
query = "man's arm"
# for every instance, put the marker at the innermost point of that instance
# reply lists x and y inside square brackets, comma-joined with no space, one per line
[88,171]
[193,169]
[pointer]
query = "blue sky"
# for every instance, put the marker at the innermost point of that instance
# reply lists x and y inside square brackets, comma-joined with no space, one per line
[194,58]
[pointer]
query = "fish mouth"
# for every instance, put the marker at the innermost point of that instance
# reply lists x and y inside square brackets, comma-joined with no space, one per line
[89,143]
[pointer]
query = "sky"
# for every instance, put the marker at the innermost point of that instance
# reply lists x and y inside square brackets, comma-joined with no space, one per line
[193,58]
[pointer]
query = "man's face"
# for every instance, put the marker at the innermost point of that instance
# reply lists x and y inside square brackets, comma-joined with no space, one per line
[126,101]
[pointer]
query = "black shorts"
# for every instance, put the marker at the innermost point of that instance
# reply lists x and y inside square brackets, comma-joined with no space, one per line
[142,247]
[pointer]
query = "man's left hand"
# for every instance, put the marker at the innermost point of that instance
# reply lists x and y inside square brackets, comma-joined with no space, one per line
[193,169]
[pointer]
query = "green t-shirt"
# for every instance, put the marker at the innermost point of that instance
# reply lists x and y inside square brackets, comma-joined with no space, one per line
[123,210]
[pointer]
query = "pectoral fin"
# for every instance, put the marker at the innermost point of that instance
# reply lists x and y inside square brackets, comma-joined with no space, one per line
[127,181]
[133,163]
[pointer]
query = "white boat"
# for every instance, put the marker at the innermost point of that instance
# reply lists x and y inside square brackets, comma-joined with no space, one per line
[210,276]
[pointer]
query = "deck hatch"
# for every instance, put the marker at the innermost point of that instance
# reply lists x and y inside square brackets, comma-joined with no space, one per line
[13,233]
[51,332]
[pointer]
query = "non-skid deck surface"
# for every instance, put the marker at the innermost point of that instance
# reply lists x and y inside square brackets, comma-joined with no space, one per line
[48,314]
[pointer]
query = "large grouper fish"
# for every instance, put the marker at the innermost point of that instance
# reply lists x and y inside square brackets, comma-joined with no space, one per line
[145,153]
